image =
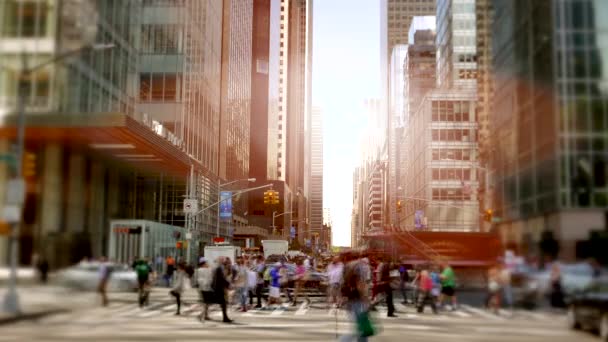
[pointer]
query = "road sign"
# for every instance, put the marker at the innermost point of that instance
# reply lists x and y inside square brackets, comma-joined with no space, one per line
[190,206]
[11,213]
[292,232]
[418,219]
[218,239]
[188,236]
[496,219]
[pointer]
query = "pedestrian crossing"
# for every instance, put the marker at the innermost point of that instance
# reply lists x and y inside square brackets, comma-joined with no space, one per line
[120,311]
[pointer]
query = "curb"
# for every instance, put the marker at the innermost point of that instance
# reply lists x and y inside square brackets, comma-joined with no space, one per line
[30,316]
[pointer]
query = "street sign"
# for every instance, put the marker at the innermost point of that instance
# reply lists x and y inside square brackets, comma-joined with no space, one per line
[218,239]
[190,206]
[496,219]
[188,236]
[15,191]
[418,219]
[292,232]
[11,213]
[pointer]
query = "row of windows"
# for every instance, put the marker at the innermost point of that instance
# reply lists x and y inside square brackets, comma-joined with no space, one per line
[452,154]
[162,39]
[451,174]
[159,87]
[462,135]
[450,195]
[451,111]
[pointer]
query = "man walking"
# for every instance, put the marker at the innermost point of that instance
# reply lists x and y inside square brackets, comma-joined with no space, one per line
[334,274]
[260,269]
[385,286]
[241,283]
[220,285]
[143,270]
[448,284]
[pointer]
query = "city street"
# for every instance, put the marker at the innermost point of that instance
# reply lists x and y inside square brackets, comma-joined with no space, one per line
[124,320]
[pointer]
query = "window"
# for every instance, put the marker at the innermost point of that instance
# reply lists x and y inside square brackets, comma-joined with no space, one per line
[159,87]
[33,15]
[160,39]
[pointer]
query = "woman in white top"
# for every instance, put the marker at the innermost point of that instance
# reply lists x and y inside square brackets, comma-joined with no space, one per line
[204,278]
[180,284]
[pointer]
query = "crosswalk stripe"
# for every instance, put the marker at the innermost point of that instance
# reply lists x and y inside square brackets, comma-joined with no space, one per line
[302,310]
[482,313]
[461,314]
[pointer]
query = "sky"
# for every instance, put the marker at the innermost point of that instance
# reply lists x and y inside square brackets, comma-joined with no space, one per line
[346,70]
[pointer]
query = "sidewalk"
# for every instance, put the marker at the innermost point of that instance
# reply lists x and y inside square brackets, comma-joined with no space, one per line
[40,301]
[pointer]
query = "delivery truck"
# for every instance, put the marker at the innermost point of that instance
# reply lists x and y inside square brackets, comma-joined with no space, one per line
[212,253]
[275,247]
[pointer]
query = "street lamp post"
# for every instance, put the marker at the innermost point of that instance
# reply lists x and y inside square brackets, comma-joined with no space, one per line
[11,300]
[219,187]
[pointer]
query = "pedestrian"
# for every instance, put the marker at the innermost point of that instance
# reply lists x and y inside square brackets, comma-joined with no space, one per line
[220,285]
[105,272]
[557,293]
[403,281]
[252,280]
[143,270]
[260,271]
[43,269]
[179,286]
[241,283]
[436,291]
[448,286]
[284,280]
[169,270]
[354,289]
[425,292]
[204,278]
[507,289]
[274,292]
[158,264]
[335,276]
[493,301]
[385,285]
[300,282]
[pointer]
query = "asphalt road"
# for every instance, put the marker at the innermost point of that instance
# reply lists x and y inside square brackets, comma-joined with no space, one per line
[123,320]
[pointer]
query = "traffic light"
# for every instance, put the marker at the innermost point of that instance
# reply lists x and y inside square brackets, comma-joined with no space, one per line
[488,214]
[179,245]
[399,203]
[267,196]
[29,164]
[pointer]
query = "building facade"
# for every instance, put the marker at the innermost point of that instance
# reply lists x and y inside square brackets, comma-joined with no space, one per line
[441,183]
[549,122]
[120,133]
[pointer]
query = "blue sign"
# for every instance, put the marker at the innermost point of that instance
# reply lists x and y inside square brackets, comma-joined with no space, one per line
[418,217]
[292,232]
[226,205]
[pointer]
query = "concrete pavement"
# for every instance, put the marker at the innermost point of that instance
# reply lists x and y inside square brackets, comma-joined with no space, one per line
[123,320]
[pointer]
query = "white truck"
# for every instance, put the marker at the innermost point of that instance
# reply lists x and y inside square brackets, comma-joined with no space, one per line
[216,251]
[275,247]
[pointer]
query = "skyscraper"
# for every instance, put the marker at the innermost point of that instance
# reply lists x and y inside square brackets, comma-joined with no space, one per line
[316,176]
[456,44]
[549,122]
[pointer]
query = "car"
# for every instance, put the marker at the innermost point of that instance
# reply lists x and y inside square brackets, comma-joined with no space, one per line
[589,308]
[85,276]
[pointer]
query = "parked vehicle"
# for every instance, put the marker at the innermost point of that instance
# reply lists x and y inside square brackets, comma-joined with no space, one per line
[589,308]
[85,277]
[531,287]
